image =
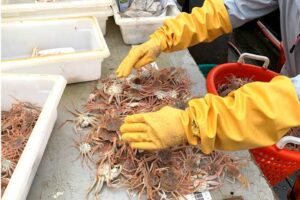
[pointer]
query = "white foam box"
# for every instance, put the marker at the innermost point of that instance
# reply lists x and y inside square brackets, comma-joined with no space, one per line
[44,91]
[12,10]
[137,30]
[82,35]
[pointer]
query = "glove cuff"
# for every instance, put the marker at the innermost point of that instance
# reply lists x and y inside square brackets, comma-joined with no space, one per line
[190,128]
[204,24]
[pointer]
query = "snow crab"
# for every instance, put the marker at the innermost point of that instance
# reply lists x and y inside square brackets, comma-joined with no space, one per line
[233,83]
[165,174]
[105,174]
[85,148]
[83,120]
[234,173]
[115,91]
[16,127]
[7,168]
[14,144]
[174,184]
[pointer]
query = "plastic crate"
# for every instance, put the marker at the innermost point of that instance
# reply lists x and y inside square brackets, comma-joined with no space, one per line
[44,91]
[137,30]
[83,35]
[12,10]
[276,164]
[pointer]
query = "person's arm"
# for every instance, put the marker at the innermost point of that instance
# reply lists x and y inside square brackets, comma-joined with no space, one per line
[204,24]
[210,21]
[256,115]
[242,11]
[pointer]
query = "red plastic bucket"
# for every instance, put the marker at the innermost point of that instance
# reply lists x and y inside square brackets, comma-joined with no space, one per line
[276,164]
[218,74]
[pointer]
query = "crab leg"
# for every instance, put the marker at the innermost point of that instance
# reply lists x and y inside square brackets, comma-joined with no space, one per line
[89,190]
[98,188]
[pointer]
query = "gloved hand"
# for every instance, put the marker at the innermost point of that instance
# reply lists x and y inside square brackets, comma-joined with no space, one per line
[256,115]
[138,57]
[204,24]
[156,130]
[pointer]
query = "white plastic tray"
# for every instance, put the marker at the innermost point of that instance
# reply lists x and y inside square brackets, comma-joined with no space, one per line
[29,9]
[137,30]
[42,90]
[83,34]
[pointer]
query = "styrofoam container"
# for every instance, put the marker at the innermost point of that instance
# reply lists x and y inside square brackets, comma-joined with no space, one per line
[138,29]
[13,10]
[44,91]
[83,35]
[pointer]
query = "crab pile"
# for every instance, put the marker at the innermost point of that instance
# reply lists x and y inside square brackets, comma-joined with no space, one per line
[16,127]
[165,174]
[234,83]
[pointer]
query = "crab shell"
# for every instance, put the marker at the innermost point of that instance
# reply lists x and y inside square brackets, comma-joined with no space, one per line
[6,165]
[129,165]
[107,135]
[201,185]
[191,164]
[153,180]
[133,104]
[160,94]
[114,172]
[173,94]
[164,156]
[233,171]
[92,97]
[169,180]
[113,124]
[85,148]
[85,120]
[115,89]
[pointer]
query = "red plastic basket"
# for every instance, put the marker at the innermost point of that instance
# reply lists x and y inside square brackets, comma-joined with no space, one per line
[276,164]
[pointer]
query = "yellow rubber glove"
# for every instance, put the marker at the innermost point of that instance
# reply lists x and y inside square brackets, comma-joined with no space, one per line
[138,57]
[156,130]
[204,24]
[256,115]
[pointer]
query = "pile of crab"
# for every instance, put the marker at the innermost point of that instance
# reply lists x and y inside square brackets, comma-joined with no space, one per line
[166,174]
[234,83]
[16,127]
